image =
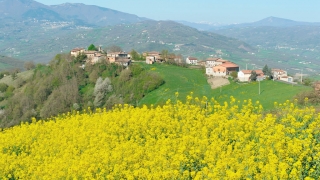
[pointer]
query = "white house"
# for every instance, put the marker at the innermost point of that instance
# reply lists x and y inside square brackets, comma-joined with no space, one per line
[150,59]
[278,73]
[192,60]
[244,75]
[209,71]
[210,62]
[282,75]
[286,78]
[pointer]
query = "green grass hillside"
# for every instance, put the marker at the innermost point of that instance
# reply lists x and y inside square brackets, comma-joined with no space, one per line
[177,79]
[184,81]
[270,92]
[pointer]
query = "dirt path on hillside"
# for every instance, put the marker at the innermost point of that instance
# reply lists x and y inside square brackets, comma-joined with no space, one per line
[216,82]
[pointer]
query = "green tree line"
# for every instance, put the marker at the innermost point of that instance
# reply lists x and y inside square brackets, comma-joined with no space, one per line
[63,85]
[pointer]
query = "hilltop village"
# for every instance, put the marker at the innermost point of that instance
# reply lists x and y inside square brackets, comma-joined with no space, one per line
[214,67]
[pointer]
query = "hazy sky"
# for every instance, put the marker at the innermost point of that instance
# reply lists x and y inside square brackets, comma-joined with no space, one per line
[215,11]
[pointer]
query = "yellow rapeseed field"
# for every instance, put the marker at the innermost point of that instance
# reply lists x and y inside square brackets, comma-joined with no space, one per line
[199,139]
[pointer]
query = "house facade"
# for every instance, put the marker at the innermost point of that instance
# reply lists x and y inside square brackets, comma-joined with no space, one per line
[155,54]
[210,62]
[278,73]
[118,54]
[192,60]
[123,61]
[150,59]
[222,70]
[286,78]
[282,75]
[77,51]
[244,75]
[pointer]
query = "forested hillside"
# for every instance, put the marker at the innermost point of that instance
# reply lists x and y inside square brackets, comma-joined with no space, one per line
[64,85]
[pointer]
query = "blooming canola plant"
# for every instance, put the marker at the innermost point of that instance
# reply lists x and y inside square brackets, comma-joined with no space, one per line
[196,139]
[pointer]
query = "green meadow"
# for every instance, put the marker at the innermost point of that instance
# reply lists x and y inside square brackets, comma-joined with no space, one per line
[185,80]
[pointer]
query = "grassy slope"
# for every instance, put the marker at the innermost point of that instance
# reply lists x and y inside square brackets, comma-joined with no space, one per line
[271,91]
[177,79]
[186,80]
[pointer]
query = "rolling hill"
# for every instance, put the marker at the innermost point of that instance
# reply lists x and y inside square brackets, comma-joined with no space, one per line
[7,63]
[157,35]
[26,26]
[42,44]
[77,13]
[33,31]
[271,32]
[289,44]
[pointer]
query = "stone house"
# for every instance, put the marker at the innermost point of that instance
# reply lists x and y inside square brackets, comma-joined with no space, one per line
[76,51]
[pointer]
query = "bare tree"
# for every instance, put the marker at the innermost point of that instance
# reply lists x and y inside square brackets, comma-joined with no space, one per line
[101,88]
[29,65]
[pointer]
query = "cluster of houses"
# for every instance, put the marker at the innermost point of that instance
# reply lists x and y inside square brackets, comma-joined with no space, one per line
[277,74]
[222,68]
[121,58]
[214,66]
[154,56]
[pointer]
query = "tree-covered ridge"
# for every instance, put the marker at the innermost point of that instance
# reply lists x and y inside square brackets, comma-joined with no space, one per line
[65,85]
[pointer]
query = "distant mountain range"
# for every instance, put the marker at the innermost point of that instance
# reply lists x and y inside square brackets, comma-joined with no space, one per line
[79,14]
[278,22]
[142,36]
[33,31]
[269,22]
[272,32]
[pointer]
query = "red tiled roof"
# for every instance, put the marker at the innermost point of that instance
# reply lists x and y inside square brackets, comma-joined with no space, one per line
[258,71]
[229,65]
[246,71]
